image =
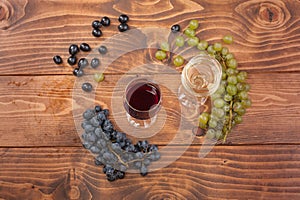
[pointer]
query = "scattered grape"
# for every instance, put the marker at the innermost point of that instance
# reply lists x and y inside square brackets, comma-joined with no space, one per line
[228,39]
[179,41]
[160,55]
[189,32]
[193,24]
[178,61]
[193,41]
[202,45]
[165,46]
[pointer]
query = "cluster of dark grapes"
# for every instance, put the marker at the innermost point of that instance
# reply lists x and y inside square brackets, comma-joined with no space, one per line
[230,101]
[112,148]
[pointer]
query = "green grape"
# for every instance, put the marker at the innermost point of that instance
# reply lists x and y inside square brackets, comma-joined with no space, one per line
[243,95]
[179,41]
[210,134]
[219,103]
[215,96]
[240,87]
[165,46]
[218,46]
[224,51]
[189,32]
[231,89]
[247,87]
[160,55]
[212,123]
[98,77]
[232,80]
[229,56]
[238,119]
[245,74]
[226,108]
[219,135]
[228,39]
[241,111]
[246,103]
[178,61]
[201,125]
[193,24]
[237,106]
[224,75]
[230,71]
[202,45]
[223,82]
[221,89]
[232,63]
[241,78]
[193,41]
[227,97]
[218,112]
[204,117]
[210,49]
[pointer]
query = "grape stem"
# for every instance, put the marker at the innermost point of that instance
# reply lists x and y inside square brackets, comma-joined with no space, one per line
[230,122]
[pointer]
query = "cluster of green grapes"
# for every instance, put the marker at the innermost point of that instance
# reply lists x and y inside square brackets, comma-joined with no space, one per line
[231,99]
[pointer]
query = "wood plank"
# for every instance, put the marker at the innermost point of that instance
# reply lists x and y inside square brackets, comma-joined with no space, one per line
[228,172]
[32,32]
[40,107]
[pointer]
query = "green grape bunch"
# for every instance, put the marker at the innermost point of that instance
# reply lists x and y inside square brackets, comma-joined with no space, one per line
[230,101]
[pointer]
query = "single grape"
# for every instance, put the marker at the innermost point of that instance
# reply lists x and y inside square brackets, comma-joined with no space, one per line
[240,87]
[211,50]
[241,111]
[203,126]
[189,32]
[202,45]
[217,46]
[246,103]
[179,41]
[226,108]
[160,55]
[218,112]
[232,80]
[98,77]
[230,71]
[210,134]
[212,123]
[193,41]
[229,56]
[204,117]
[224,51]
[221,89]
[193,24]
[238,119]
[227,97]
[247,87]
[219,103]
[241,77]
[232,63]
[231,89]
[228,39]
[178,61]
[243,95]
[165,46]
[237,106]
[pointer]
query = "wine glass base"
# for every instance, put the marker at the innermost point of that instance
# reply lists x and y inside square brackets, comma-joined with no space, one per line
[190,103]
[141,123]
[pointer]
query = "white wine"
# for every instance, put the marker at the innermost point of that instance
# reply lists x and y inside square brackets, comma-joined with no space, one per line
[201,76]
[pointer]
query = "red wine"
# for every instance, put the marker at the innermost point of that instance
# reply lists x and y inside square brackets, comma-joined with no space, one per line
[142,99]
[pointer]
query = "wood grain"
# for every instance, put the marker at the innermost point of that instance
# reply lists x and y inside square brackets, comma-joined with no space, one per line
[241,172]
[26,50]
[34,107]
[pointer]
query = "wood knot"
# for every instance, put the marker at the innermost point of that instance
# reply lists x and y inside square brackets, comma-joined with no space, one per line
[265,14]
[11,12]
[74,192]
[5,10]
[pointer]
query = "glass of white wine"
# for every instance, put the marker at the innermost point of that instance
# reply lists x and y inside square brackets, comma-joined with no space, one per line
[200,78]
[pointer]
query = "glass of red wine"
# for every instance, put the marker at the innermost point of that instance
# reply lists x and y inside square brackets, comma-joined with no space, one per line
[142,102]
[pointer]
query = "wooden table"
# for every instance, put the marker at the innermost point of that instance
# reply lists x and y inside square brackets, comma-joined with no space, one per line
[40,151]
